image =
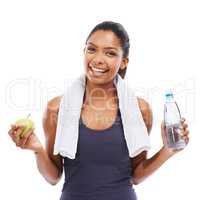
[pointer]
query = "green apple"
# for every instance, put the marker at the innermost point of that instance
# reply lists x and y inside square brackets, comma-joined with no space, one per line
[27,123]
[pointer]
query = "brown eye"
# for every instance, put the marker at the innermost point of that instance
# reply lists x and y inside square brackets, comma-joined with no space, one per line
[111,53]
[91,49]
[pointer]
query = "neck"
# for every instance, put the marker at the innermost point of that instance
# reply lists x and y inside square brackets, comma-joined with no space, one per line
[99,94]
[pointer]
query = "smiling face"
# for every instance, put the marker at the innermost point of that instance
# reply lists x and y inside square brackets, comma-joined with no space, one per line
[103,56]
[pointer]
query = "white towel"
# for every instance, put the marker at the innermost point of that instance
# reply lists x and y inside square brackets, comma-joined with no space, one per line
[135,131]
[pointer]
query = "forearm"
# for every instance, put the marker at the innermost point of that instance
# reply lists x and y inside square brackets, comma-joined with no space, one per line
[149,166]
[46,167]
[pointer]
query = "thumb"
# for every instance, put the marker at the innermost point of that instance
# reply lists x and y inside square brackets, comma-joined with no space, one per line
[163,130]
[163,127]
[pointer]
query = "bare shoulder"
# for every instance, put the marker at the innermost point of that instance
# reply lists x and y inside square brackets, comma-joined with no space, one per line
[147,113]
[50,115]
[53,104]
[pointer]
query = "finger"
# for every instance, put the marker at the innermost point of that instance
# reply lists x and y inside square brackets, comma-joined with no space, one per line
[186,133]
[26,137]
[13,126]
[18,132]
[185,137]
[185,126]
[19,126]
[11,135]
[27,141]
[13,130]
[163,128]
[187,140]
[183,119]
[163,125]
[10,132]
[17,141]
[14,133]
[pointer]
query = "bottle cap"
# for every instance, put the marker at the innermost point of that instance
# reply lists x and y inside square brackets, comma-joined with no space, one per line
[169,93]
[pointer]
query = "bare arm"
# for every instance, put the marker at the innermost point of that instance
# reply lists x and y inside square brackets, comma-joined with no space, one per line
[141,166]
[145,167]
[49,165]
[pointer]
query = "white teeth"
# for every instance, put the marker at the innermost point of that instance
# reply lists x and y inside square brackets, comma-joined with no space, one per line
[98,70]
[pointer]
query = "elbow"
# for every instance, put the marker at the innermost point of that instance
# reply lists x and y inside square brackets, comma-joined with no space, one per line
[55,180]
[136,181]
[138,176]
[53,183]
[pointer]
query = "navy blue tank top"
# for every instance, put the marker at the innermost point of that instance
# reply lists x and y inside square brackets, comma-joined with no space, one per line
[102,167]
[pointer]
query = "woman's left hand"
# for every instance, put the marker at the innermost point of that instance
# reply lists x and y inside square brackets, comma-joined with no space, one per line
[184,134]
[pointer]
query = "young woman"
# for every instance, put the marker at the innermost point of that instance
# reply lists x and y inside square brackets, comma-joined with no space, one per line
[105,54]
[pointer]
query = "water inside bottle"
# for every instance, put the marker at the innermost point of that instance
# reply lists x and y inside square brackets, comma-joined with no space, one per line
[173,136]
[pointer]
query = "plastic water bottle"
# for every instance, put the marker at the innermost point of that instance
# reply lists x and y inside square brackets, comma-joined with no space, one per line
[172,120]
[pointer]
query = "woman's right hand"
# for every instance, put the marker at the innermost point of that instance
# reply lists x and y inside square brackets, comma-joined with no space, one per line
[29,141]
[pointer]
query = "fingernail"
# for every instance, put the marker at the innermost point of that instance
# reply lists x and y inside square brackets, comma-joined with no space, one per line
[182,119]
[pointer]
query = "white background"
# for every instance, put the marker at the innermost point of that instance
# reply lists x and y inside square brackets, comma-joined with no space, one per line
[41,44]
